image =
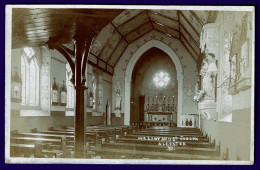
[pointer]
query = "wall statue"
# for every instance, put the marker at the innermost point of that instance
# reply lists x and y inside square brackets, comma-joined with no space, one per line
[208,73]
[118,98]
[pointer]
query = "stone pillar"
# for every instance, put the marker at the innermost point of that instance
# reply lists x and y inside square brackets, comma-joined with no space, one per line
[180,88]
[127,101]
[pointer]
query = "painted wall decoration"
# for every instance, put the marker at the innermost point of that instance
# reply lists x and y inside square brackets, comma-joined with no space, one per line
[243,61]
[93,91]
[100,93]
[226,98]
[209,44]
[209,39]
[45,84]
[233,57]
[244,70]
[118,97]
[16,88]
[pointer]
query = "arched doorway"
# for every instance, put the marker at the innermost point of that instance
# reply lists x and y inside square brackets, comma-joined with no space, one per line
[129,70]
[154,89]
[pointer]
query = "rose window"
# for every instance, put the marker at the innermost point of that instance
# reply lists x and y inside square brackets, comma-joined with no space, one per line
[161,79]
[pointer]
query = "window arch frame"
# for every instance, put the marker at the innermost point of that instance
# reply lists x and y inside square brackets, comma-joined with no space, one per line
[29,67]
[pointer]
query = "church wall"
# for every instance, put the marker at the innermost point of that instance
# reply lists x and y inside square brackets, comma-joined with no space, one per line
[24,119]
[58,68]
[188,63]
[239,125]
[241,109]
[99,119]
[51,116]
[42,123]
[232,136]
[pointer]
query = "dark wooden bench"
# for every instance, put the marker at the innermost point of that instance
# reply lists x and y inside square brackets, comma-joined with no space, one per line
[108,153]
[24,142]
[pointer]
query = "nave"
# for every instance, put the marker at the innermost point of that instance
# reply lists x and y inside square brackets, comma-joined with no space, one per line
[133,84]
[118,142]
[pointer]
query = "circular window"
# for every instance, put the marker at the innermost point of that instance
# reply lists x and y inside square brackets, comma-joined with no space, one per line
[161,79]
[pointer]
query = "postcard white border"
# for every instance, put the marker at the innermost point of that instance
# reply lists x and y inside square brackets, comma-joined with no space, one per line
[8,28]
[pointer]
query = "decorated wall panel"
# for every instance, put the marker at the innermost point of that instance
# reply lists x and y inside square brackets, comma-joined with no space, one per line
[169,13]
[191,41]
[110,69]
[187,45]
[134,23]
[45,80]
[102,38]
[125,15]
[189,29]
[202,15]
[226,102]
[108,49]
[163,20]
[92,58]
[165,30]
[139,32]
[117,52]
[195,23]
[102,64]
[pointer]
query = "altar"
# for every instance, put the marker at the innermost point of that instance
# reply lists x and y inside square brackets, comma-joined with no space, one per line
[158,116]
[160,109]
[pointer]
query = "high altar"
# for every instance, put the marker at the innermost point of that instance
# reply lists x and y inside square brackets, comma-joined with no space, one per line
[160,109]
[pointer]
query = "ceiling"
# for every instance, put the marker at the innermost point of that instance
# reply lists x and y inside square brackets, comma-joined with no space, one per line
[33,27]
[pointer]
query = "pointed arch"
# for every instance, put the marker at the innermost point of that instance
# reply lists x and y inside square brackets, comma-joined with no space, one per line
[131,64]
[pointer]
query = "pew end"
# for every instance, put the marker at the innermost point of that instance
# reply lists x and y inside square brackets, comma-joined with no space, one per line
[34,130]
[51,129]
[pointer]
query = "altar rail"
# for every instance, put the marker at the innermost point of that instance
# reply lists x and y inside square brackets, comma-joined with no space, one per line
[144,125]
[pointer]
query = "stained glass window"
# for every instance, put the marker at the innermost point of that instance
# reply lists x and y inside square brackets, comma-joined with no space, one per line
[161,79]
[30,78]
[70,88]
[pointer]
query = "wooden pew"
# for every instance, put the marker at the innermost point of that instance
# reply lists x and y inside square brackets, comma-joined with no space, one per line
[51,144]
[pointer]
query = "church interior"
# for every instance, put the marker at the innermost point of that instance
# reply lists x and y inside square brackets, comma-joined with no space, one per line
[150,84]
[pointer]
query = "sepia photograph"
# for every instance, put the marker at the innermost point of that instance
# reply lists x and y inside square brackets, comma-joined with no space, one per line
[129,84]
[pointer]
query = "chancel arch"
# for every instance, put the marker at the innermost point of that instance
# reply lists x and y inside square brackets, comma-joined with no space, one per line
[131,64]
[154,89]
